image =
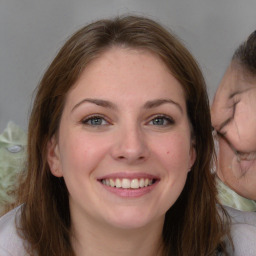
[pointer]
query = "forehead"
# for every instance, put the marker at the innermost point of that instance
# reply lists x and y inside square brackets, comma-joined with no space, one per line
[238,71]
[125,71]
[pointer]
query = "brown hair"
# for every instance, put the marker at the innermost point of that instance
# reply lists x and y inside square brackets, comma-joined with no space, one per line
[192,225]
[245,54]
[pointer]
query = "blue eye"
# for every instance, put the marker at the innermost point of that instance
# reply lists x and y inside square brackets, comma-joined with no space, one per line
[95,121]
[161,121]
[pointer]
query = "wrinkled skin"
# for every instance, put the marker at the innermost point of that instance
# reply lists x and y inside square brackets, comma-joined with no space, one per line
[234,119]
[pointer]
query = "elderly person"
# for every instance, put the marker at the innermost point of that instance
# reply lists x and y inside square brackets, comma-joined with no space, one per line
[233,115]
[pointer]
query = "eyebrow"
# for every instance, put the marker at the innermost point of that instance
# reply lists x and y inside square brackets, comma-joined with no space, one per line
[98,102]
[148,105]
[159,102]
[232,95]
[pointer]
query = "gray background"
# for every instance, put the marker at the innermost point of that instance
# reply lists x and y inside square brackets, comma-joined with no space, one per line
[31,32]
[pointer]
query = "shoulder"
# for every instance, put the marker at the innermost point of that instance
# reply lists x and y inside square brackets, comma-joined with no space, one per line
[243,231]
[10,242]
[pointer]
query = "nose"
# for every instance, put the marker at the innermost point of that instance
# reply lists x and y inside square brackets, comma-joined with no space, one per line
[130,146]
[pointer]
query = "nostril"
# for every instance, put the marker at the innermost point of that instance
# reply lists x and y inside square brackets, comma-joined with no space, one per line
[131,158]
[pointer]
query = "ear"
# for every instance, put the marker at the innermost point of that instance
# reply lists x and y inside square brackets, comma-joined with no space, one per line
[53,157]
[192,154]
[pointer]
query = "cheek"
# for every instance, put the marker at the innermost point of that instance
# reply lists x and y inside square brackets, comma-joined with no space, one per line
[225,159]
[174,159]
[174,152]
[245,127]
[81,153]
[225,155]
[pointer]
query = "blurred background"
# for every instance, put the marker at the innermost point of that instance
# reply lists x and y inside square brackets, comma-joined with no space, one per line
[32,31]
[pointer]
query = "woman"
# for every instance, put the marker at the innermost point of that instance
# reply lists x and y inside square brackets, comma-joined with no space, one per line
[119,149]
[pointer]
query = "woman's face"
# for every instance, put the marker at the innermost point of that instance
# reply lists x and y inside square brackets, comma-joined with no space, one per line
[124,145]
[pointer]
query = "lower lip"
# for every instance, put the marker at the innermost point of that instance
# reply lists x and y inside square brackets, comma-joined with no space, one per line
[130,193]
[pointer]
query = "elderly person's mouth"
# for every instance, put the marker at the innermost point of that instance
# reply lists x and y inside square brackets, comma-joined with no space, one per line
[244,156]
[246,160]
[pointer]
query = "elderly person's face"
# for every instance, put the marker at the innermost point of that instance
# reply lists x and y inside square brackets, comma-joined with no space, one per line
[234,118]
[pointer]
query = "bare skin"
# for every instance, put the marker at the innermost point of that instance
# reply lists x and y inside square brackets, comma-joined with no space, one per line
[110,241]
[233,117]
[124,156]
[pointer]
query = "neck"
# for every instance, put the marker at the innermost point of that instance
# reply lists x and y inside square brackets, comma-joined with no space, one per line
[94,239]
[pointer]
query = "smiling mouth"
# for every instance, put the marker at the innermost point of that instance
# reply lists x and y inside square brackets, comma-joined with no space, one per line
[125,183]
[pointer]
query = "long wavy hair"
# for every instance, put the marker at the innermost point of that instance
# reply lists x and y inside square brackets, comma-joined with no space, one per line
[193,225]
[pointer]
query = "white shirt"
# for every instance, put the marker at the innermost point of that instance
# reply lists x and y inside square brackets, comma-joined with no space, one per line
[243,231]
[10,243]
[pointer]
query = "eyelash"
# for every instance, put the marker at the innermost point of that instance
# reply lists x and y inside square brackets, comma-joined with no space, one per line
[93,118]
[167,121]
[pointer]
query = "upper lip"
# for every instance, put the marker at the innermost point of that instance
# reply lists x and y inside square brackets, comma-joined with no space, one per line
[128,175]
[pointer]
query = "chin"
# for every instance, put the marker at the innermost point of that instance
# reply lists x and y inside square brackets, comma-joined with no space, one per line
[133,220]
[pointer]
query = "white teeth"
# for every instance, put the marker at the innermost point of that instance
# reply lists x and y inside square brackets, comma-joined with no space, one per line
[127,183]
[112,183]
[135,183]
[118,183]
